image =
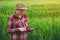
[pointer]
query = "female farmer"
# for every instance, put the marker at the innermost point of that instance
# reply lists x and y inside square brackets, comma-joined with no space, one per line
[18,23]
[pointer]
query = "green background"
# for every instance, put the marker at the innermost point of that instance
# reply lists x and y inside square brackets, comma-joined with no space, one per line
[43,15]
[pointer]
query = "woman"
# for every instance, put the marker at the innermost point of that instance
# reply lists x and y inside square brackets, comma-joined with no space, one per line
[18,23]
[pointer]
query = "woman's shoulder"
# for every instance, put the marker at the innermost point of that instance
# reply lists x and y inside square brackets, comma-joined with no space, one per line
[11,16]
[24,15]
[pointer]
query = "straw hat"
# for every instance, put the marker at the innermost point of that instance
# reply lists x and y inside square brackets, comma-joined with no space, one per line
[21,6]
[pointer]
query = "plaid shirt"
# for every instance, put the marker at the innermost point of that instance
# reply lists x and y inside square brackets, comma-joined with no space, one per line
[15,22]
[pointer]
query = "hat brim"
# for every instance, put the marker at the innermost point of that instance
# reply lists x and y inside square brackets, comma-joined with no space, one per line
[22,8]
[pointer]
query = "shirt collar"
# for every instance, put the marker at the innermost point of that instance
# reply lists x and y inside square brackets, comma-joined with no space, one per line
[17,15]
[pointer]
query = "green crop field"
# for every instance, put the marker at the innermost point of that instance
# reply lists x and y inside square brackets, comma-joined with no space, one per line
[44,18]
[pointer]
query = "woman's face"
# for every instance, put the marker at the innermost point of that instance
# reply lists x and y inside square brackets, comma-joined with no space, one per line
[18,11]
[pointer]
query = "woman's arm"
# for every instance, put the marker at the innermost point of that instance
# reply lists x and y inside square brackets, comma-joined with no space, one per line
[9,26]
[26,24]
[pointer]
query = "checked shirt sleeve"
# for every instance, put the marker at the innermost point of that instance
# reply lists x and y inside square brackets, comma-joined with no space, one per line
[26,22]
[29,29]
[9,26]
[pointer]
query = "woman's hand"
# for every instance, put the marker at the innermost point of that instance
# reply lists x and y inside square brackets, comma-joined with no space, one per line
[30,29]
[22,29]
